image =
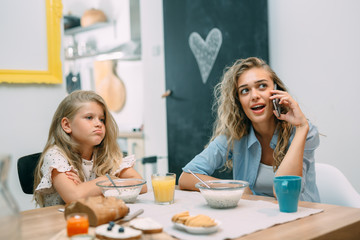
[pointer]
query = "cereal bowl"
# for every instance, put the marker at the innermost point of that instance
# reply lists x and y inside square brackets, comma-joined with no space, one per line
[222,193]
[126,189]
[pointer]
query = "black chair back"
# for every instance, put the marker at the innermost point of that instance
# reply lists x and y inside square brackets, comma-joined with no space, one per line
[26,167]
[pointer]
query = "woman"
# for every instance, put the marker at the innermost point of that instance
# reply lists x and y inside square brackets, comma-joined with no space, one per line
[252,139]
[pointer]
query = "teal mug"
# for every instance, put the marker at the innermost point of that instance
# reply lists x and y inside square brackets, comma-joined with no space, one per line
[287,189]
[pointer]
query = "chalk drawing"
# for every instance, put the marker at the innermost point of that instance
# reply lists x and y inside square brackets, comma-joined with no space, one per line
[205,52]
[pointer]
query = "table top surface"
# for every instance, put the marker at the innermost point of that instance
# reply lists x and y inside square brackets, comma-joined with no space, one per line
[336,222]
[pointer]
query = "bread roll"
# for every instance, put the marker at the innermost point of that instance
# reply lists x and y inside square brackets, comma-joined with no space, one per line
[99,209]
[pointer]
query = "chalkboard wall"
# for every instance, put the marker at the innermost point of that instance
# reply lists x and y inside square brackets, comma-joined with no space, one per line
[202,37]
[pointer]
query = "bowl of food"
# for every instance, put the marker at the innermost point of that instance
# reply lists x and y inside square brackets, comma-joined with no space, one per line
[222,193]
[126,189]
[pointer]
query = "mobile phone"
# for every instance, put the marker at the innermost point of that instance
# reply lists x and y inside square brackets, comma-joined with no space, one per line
[276,103]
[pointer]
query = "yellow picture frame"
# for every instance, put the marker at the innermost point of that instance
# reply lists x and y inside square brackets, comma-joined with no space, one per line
[53,74]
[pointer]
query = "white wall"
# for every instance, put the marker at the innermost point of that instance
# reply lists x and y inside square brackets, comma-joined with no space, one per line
[26,113]
[315,49]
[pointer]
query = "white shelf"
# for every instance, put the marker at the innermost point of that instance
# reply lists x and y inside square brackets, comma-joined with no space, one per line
[131,135]
[77,30]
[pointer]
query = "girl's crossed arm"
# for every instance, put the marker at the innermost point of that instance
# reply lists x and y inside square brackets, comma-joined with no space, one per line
[71,191]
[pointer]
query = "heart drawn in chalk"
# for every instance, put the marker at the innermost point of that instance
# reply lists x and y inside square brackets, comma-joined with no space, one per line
[205,52]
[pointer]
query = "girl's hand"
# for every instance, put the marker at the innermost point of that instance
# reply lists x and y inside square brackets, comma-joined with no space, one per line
[74,177]
[294,115]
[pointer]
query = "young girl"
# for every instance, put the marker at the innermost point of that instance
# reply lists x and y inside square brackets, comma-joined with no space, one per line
[252,139]
[81,148]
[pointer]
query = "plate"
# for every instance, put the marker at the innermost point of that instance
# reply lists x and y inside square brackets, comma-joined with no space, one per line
[198,230]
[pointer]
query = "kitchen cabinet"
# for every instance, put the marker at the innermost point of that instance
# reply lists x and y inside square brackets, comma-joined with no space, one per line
[76,30]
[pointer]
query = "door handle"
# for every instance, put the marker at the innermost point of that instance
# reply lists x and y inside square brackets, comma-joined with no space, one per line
[166,94]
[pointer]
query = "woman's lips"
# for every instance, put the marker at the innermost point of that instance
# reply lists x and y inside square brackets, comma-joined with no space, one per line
[258,108]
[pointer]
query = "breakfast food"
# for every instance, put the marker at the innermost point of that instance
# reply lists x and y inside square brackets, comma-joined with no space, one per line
[77,223]
[227,199]
[163,187]
[127,195]
[199,220]
[223,193]
[180,217]
[146,225]
[127,189]
[99,209]
[115,231]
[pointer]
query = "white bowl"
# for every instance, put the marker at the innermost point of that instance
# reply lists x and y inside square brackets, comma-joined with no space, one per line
[126,189]
[222,193]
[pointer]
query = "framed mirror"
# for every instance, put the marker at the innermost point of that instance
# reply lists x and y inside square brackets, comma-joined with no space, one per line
[31,41]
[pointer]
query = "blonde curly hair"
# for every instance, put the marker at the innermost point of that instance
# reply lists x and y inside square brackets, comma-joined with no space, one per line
[231,119]
[107,155]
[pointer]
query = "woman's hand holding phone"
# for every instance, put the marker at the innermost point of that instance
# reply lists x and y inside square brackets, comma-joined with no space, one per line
[294,115]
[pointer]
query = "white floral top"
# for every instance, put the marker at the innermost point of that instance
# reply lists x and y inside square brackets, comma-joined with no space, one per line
[54,159]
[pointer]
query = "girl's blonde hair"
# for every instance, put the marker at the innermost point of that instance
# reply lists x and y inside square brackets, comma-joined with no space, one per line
[231,119]
[106,156]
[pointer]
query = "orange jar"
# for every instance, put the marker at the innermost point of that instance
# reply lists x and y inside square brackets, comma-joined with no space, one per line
[77,223]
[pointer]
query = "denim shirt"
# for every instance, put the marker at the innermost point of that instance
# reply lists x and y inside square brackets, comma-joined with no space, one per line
[246,157]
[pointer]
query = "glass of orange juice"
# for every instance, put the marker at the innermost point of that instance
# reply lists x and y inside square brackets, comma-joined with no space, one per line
[77,223]
[164,187]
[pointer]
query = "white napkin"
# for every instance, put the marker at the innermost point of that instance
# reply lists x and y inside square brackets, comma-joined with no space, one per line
[248,217]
